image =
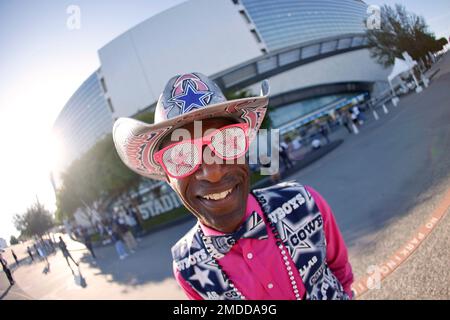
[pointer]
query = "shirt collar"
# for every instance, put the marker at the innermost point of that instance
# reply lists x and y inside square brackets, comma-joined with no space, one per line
[252,205]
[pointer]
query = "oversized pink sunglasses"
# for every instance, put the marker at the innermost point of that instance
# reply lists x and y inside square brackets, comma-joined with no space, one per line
[183,158]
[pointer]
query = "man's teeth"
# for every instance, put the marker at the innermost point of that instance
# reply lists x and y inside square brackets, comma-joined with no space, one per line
[218,196]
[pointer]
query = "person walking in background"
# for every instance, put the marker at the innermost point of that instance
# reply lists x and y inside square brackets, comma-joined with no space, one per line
[356,116]
[126,234]
[353,116]
[86,237]
[132,223]
[62,245]
[30,254]
[78,234]
[360,114]
[116,216]
[346,122]
[36,250]
[134,214]
[51,244]
[46,245]
[101,229]
[6,270]
[324,132]
[284,155]
[42,251]
[117,240]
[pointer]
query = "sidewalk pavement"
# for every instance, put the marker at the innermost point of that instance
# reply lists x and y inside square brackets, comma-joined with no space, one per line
[8,292]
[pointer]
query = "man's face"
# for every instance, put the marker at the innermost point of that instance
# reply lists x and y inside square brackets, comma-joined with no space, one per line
[217,192]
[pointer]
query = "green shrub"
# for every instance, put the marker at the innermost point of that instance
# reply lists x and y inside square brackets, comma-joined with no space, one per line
[165,217]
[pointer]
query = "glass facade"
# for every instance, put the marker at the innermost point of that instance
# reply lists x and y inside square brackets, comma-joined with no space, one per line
[283,23]
[296,114]
[84,120]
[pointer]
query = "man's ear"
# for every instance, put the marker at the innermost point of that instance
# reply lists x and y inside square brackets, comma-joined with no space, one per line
[171,183]
[166,178]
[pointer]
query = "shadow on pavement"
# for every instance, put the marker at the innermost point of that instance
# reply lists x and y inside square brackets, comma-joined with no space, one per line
[79,279]
[46,268]
[4,294]
[152,261]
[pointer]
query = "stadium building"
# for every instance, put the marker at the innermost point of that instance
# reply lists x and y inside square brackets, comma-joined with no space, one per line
[314,53]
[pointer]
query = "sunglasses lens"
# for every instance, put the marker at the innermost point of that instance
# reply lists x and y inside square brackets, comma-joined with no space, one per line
[181,159]
[230,143]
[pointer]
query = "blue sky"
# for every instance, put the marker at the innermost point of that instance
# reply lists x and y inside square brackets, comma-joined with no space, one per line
[42,62]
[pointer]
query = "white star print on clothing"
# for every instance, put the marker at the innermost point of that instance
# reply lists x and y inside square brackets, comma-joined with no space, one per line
[201,276]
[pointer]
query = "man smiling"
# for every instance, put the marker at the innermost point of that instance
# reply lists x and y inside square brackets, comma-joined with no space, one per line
[280,242]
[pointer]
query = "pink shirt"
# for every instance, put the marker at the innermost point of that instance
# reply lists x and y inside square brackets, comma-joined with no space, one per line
[256,266]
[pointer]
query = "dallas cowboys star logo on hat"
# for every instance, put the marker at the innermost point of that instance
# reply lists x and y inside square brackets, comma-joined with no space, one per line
[191,98]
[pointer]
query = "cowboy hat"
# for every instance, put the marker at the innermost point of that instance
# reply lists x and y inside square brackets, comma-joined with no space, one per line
[186,98]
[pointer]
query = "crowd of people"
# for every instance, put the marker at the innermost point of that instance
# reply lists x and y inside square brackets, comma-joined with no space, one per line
[123,233]
[39,250]
[123,229]
[42,249]
[296,144]
[317,134]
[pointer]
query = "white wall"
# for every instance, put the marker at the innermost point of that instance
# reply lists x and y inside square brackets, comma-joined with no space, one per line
[347,67]
[207,36]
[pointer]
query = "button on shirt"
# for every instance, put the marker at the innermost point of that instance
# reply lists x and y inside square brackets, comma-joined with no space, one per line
[257,268]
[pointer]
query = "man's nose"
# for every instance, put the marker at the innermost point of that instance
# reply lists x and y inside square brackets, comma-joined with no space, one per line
[212,172]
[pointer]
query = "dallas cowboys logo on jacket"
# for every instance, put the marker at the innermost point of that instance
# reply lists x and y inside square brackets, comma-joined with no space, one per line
[195,256]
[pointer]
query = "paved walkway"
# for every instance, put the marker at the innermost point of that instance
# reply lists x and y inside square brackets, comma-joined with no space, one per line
[8,292]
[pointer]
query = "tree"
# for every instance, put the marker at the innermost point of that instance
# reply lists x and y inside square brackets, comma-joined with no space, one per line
[233,95]
[36,221]
[147,117]
[98,175]
[13,240]
[442,42]
[401,31]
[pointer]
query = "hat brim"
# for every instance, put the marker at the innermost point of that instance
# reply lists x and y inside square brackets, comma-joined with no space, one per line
[137,141]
